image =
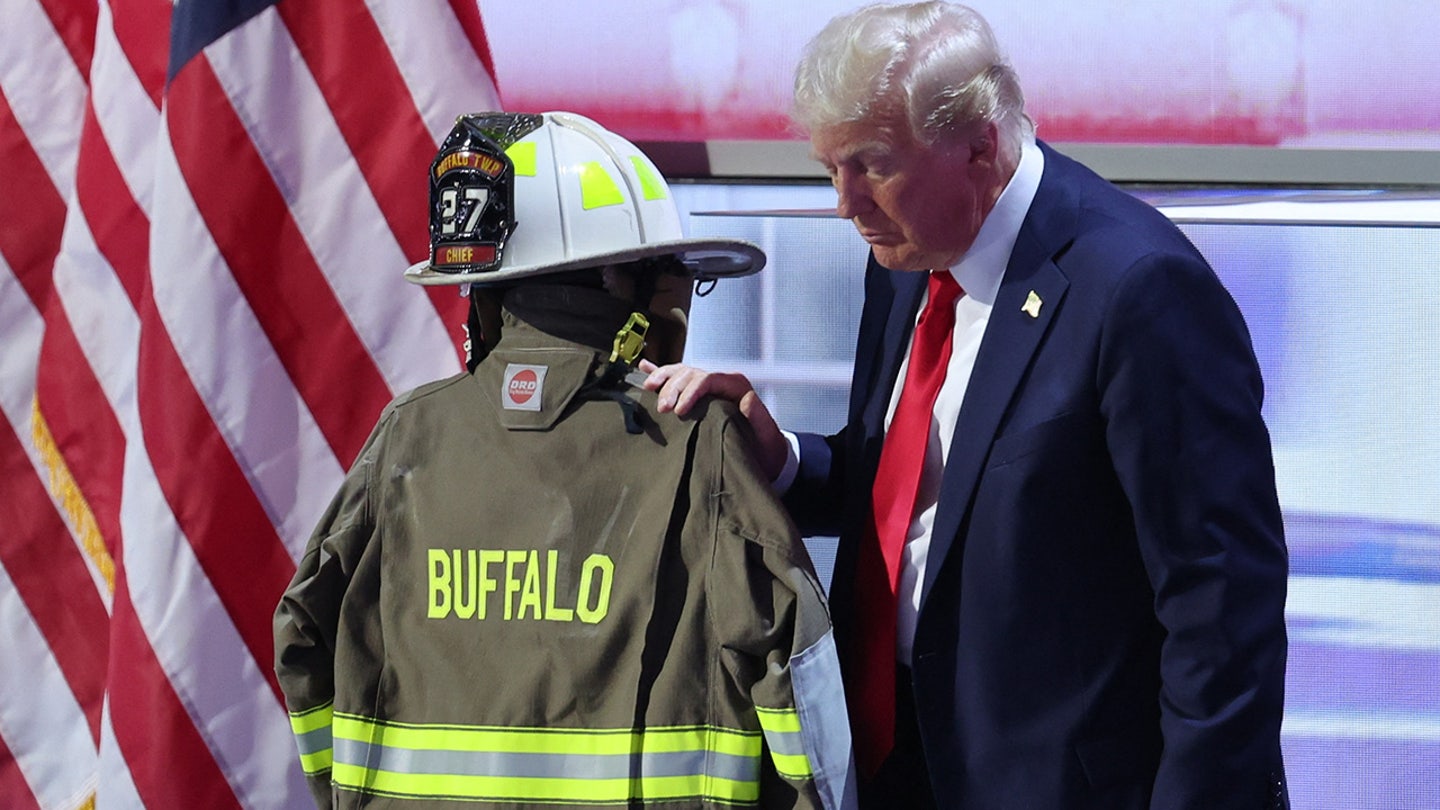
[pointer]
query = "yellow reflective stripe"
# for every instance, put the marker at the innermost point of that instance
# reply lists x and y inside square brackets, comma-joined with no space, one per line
[650,183]
[317,762]
[792,766]
[522,154]
[312,728]
[787,748]
[597,187]
[546,764]
[306,721]
[549,740]
[544,789]
[779,721]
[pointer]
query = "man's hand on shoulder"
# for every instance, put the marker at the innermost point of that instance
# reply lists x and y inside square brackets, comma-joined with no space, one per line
[679,387]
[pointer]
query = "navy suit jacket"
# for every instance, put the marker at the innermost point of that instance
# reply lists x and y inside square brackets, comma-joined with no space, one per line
[1102,614]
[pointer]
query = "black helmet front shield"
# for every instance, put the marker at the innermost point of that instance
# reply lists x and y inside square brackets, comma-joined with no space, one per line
[472,192]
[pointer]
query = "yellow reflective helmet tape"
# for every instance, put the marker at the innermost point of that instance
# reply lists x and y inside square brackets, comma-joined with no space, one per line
[523,155]
[650,183]
[787,746]
[592,766]
[597,187]
[313,739]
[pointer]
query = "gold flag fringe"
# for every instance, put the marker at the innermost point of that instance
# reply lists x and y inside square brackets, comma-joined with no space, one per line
[72,502]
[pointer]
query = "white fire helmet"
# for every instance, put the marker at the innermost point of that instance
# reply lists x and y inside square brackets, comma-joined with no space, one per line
[519,195]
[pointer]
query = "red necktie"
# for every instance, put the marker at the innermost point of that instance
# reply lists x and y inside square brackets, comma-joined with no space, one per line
[902,460]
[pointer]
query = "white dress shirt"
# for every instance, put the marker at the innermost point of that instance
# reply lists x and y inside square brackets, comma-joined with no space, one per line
[978,272]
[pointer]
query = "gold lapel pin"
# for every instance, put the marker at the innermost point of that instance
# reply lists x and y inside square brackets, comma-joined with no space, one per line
[1032,305]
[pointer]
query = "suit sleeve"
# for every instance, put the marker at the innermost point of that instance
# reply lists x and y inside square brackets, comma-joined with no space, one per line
[306,622]
[789,667]
[815,498]
[1181,395]
[818,497]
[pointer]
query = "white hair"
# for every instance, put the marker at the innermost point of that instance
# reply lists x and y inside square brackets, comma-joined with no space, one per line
[934,65]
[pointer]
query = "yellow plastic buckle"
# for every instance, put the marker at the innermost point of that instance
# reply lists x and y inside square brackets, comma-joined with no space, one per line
[630,339]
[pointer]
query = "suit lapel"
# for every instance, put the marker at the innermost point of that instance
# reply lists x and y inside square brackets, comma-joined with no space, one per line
[908,289]
[1031,294]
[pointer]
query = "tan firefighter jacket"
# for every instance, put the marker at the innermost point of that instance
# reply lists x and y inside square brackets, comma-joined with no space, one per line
[514,601]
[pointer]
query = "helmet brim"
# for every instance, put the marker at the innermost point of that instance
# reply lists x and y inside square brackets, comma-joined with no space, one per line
[706,259]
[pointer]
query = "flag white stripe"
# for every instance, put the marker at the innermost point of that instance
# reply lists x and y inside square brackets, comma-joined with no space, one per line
[364,265]
[47,731]
[100,314]
[425,38]
[203,656]
[273,437]
[116,789]
[44,87]
[125,112]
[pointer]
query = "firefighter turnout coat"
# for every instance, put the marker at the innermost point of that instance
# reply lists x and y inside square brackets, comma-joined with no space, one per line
[514,601]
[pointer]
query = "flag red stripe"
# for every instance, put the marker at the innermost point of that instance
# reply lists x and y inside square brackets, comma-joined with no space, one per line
[339,41]
[13,786]
[170,763]
[120,229]
[75,23]
[52,578]
[278,275]
[142,27]
[212,501]
[30,223]
[82,424]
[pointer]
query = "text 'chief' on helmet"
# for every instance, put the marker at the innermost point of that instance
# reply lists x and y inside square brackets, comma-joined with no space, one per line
[516,195]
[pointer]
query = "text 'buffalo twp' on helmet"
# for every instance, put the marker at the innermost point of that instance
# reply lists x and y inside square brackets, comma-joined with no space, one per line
[513,196]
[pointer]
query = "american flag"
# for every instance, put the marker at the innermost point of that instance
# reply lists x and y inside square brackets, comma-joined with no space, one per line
[205,210]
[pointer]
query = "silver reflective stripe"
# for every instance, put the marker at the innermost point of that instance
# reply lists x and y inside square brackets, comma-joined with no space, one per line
[550,766]
[785,742]
[312,742]
[824,725]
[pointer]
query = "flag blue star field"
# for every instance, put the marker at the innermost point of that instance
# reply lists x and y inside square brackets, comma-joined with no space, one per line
[205,212]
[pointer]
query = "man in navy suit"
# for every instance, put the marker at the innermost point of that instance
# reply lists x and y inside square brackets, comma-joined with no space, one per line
[1088,606]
